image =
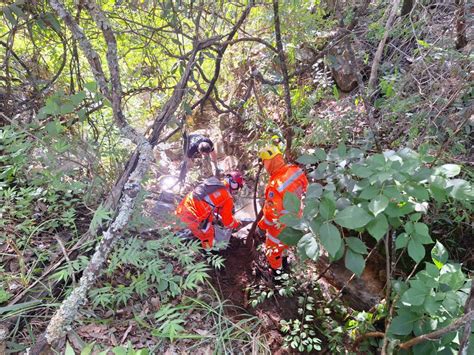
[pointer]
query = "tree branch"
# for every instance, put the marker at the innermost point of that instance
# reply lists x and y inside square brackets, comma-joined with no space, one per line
[458,323]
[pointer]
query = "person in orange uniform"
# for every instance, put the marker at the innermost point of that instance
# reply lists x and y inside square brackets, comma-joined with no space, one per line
[211,197]
[283,178]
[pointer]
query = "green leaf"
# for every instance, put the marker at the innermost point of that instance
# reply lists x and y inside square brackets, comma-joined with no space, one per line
[369,192]
[320,154]
[311,208]
[402,324]
[416,250]
[54,128]
[354,262]
[378,205]
[51,20]
[91,86]
[308,247]
[378,227]
[356,245]
[69,350]
[448,170]
[19,12]
[330,238]
[290,220]
[422,233]
[353,217]
[8,14]
[291,202]
[76,99]
[402,241]
[460,190]
[87,350]
[290,236]
[439,255]
[414,297]
[314,191]
[361,171]
[187,108]
[327,207]
[307,159]
[452,275]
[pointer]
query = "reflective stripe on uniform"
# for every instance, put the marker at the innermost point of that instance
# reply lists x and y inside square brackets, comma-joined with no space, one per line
[273,239]
[270,223]
[290,180]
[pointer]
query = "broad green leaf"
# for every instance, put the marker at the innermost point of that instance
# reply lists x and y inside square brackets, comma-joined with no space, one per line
[416,250]
[369,192]
[341,150]
[402,241]
[69,350]
[290,236]
[378,205]
[354,262]
[320,154]
[327,207]
[311,208]
[76,99]
[417,191]
[66,108]
[413,297]
[309,247]
[290,219]
[398,210]
[307,159]
[402,324]
[353,217]
[330,238]
[356,245]
[52,21]
[361,171]
[378,227]
[422,231]
[431,305]
[448,170]
[314,191]
[460,190]
[8,14]
[439,255]
[291,202]
[91,86]
[452,275]
[87,350]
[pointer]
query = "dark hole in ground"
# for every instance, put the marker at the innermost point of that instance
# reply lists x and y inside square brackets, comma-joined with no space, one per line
[233,282]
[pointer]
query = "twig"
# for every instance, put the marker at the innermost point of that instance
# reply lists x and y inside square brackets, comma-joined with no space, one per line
[379,52]
[458,323]
[66,256]
[365,336]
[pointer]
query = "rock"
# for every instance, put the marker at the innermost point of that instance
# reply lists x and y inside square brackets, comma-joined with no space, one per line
[342,69]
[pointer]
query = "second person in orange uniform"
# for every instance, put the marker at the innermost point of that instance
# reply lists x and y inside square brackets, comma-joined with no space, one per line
[211,197]
[283,178]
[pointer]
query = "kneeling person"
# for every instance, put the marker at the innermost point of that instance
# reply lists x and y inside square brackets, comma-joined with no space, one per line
[211,197]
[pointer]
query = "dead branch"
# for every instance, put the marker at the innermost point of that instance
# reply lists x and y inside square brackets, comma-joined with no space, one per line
[379,52]
[468,307]
[458,323]
[66,314]
[365,336]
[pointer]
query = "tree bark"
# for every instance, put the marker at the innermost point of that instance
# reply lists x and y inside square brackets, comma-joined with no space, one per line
[461,38]
[286,81]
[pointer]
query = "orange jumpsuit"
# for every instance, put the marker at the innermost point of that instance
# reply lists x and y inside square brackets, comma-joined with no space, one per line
[198,207]
[288,178]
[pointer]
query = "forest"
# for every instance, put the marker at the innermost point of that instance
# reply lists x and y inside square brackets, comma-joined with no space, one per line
[333,160]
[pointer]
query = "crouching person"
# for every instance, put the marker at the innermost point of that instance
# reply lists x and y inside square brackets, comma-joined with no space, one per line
[212,197]
[283,178]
